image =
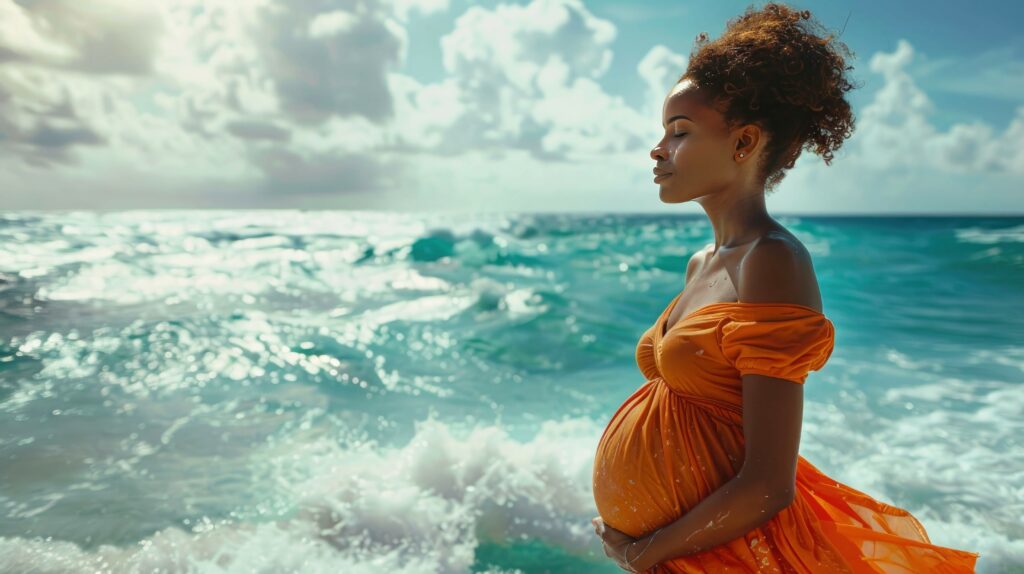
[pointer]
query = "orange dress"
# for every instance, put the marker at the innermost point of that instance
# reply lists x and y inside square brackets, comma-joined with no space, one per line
[679,437]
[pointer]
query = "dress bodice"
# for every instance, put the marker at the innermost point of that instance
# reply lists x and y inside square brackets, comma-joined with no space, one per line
[707,351]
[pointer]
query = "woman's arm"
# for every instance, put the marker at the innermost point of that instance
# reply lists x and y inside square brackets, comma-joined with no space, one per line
[766,483]
[773,271]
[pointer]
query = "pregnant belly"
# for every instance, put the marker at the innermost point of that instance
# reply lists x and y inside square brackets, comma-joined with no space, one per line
[658,457]
[634,470]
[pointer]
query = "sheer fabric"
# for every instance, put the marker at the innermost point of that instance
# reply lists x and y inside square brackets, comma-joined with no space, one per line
[679,437]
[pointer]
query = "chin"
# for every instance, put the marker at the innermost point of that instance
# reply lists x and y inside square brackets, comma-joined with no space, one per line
[672,196]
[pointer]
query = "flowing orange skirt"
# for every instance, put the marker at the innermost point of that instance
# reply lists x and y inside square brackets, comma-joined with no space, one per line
[679,437]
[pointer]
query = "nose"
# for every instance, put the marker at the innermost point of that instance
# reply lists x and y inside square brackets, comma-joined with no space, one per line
[658,152]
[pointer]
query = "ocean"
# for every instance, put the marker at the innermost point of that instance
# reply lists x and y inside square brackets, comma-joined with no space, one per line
[335,391]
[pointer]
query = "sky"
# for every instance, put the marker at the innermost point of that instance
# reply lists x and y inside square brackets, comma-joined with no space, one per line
[456,105]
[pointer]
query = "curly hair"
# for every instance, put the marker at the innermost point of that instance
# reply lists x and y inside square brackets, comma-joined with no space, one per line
[771,69]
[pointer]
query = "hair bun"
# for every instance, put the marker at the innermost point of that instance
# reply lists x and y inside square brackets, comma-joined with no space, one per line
[773,68]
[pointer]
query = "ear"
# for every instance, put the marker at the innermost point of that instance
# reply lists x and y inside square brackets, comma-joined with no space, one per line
[748,139]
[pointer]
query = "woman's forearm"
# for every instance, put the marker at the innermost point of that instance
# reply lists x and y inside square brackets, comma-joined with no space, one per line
[733,510]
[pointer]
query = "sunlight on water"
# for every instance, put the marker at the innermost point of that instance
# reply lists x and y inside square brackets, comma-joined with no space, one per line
[366,392]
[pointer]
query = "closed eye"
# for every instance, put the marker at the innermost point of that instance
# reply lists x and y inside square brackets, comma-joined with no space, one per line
[680,135]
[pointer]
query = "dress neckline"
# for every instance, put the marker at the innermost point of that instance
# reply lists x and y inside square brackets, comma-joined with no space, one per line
[664,329]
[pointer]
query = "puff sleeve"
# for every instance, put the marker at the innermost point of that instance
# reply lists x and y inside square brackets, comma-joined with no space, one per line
[783,341]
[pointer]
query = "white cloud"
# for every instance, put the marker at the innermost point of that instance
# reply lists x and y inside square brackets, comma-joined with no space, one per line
[898,161]
[219,89]
[525,77]
[894,131]
[342,73]
[20,40]
[660,68]
[331,23]
[99,36]
[259,97]
[583,121]
[61,66]
[403,8]
[425,114]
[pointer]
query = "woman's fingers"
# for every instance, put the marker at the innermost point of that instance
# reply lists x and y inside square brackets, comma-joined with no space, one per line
[615,535]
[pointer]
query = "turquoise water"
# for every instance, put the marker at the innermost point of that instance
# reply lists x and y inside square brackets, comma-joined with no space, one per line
[290,391]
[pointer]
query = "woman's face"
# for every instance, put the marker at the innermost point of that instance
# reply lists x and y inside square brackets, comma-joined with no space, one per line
[696,151]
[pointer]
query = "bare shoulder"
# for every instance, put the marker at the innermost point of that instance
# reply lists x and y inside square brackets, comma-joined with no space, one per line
[779,269]
[697,260]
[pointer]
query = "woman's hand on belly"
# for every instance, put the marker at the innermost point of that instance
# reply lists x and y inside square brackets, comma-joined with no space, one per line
[615,542]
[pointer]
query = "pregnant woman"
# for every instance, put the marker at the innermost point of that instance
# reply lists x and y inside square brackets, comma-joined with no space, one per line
[698,470]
